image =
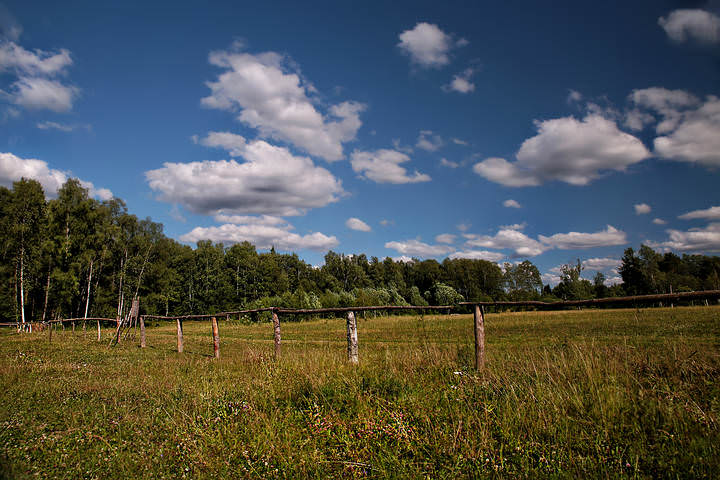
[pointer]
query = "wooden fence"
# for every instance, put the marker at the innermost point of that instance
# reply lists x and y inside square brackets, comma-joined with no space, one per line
[478,309]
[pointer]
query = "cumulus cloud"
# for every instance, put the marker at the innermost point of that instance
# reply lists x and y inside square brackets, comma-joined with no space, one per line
[262,236]
[712,213]
[568,150]
[695,136]
[417,248]
[383,166]
[269,180]
[43,94]
[458,141]
[574,96]
[13,168]
[659,221]
[427,45]
[428,141]
[478,255]
[23,62]
[35,85]
[667,103]
[697,25]
[448,163]
[357,224]
[642,208]
[250,219]
[275,100]
[575,240]
[445,238]
[461,82]
[705,239]
[510,239]
[601,264]
[510,203]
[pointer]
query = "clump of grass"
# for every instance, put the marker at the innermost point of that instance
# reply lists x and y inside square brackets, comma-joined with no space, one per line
[568,394]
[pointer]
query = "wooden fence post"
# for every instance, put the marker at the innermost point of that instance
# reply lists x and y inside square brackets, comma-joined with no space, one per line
[179,336]
[276,328]
[98,329]
[142,332]
[216,337]
[73,324]
[352,338]
[50,325]
[479,317]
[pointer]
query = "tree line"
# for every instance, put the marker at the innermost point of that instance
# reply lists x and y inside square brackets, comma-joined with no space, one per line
[75,256]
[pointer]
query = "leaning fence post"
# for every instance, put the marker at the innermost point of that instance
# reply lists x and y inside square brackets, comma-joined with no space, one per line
[216,337]
[479,317]
[98,329]
[352,338]
[142,332]
[179,336]
[276,328]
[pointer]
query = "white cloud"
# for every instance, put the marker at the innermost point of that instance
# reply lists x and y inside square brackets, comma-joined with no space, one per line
[269,181]
[262,236]
[478,255]
[463,227]
[457,141]
[15,58]
[659,221]
[510,203]
[601,264]
[637,120]
[403,259]
[275,100]
[33,86]
[419,249]
[9,26]
[576,240]
[667,103]
[695,136]
[692,24]
[43,94]
[508,238]
[461,82]
[696,239]
[427,45]
[567,150]
[712,213]
[551,279]
[63,127]
[448,163]
[13,168]
[357,224]
[445,238]
[233,143]
[250,219]
[383,166]
[574,96]
[513,226]
[429,142]
[642,208]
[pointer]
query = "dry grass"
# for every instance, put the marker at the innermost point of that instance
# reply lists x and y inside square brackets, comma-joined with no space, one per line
[565,394]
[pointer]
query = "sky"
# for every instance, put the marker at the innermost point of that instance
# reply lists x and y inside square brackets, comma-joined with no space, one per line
[503,131]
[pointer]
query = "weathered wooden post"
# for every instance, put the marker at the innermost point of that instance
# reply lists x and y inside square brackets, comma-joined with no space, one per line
[98,329]
[276,328]
[142,332]
[352,338]
[179,336]
[73,324]
[216,337]
[50,325]
[479,317]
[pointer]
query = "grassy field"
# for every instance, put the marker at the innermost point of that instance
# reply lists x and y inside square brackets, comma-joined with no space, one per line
[623,393]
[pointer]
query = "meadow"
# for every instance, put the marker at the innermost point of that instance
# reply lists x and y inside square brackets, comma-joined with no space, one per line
[570,394]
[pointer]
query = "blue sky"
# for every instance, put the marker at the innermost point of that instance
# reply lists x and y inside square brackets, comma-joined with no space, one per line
[549,132]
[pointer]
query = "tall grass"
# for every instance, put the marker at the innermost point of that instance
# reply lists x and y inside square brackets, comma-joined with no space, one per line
[564,394]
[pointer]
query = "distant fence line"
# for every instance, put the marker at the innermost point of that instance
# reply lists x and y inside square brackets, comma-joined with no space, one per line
[351,323]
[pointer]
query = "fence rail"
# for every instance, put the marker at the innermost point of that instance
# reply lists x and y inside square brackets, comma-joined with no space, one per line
[478,309]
